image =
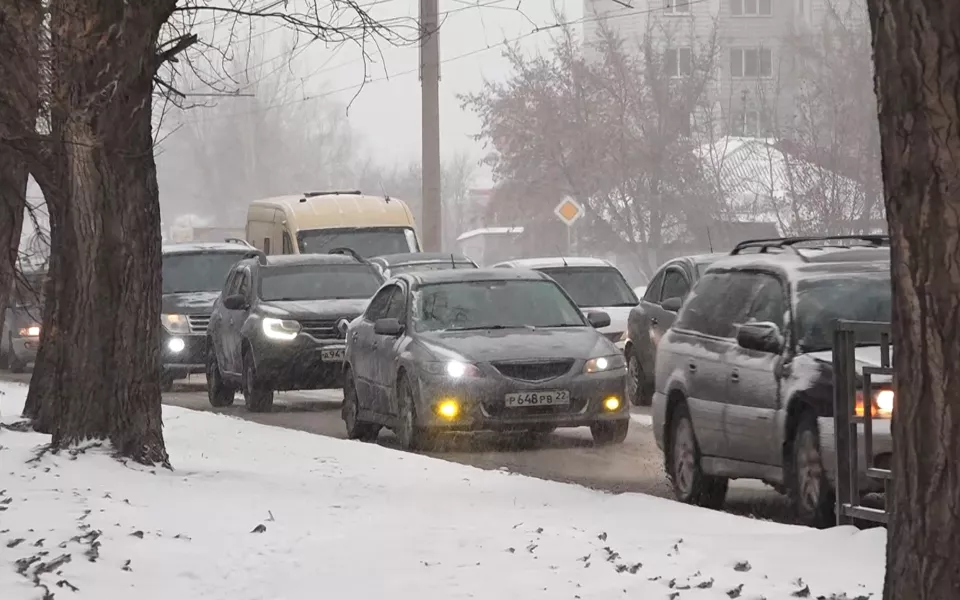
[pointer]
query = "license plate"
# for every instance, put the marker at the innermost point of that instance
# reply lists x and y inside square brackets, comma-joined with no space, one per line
[552,398]
[332,354]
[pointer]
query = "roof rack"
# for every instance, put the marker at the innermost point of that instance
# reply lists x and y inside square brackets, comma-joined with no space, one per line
[349,252]
[242,242]
[764,245]
[307,195]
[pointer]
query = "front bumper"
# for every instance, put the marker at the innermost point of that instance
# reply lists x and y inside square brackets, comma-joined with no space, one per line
[25,348]
[299,364]
[180,363]
[482,404]
[882,451]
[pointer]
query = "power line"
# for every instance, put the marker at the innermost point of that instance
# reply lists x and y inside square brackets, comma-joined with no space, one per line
[621,13]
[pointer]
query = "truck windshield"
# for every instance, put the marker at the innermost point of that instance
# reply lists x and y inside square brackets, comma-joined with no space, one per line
[197,272]
[366,241]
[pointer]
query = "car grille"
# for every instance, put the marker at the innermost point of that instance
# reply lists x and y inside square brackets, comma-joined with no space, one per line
[534,371]
[325,329]
[198,323]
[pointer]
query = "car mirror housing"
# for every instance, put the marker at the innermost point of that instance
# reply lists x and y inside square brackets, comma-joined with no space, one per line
[598,319]
[390,327]
[760,336]
[672,304]
[235,302]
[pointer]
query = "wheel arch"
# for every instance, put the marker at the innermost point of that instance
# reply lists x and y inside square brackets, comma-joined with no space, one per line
[799,404]
[675,397]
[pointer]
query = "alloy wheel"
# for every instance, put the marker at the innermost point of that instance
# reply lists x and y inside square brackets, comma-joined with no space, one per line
[684,458]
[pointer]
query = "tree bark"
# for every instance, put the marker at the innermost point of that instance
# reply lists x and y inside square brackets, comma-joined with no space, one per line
[916,45]
[13,192]
[102,377]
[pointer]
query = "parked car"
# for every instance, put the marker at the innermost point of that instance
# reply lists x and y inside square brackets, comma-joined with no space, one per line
[193,275]
[280,324]
[480,349]
[593,283]
[654,313]
[395,264]
[20,329]
[744,377]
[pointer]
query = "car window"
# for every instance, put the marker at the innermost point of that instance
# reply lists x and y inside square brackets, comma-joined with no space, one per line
[719,301]
[823,301]
[769,301]
[652,294]
[397,305]
[674,285]
[377,308]
[197,271]
[318,282]
[287,243]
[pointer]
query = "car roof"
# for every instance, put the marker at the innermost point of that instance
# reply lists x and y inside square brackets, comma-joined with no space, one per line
[812,263]
[555,262]
[297,260]
[468,275]
[407,258]
[199,247]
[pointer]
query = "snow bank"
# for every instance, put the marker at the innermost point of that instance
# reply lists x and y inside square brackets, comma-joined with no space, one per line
[259,512]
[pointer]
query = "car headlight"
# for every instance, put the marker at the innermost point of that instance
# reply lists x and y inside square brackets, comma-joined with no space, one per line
[603,364]
[453,369]
[881,405]
[280,329]
[31,331]
[175,323]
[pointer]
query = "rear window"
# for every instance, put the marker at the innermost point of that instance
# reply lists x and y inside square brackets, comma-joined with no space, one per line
[822,302]
[594,286]
[318,282]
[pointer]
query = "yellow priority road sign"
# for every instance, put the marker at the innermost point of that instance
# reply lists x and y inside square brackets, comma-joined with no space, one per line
[569,211]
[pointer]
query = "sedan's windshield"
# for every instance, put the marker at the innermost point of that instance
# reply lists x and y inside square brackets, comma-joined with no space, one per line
[197,272]
[367,242]
[822,302]
[318,282]
[594,286]
[492,305]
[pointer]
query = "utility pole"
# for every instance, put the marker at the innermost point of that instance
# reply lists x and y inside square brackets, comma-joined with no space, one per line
[432,217]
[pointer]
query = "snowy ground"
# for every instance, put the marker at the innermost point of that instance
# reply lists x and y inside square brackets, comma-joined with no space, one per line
[254,512]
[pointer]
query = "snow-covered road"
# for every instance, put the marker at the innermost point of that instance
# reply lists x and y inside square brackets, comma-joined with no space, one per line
[267,513]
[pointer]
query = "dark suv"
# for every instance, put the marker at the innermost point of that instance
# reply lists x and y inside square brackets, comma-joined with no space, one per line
[744,377]
[192,277]
[280,324]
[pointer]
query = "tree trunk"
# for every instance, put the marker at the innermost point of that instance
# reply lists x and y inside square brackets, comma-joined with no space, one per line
[13,191]
[916,47]
[103,376]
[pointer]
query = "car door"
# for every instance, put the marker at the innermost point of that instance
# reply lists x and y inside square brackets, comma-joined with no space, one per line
[753,384]
[386,352]
[233,322]
[676,284]
[218,319]
[362,348]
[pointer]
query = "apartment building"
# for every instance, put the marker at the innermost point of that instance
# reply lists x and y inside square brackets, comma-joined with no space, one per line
[751,41]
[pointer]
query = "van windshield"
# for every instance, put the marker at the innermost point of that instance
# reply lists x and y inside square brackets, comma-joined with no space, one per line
[365,241]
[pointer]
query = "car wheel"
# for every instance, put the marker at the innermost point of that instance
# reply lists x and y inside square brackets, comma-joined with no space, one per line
[809,489]
[257,396]
[610,432]
[690,484]
[409,433]
[636,389]
[350,410]
[219,392]
[166,382]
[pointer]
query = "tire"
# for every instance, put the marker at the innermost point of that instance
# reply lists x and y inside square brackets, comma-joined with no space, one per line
[409,433]
[690,484]
[219,392]
[349,410]
[636,384]
[808,487]
[610,432]
[257,396]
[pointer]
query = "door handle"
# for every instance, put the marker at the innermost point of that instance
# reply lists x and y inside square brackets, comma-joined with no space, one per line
[692,367]
[735,376]
[654,320]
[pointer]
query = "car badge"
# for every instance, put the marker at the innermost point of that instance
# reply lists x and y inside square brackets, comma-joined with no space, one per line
[342,326]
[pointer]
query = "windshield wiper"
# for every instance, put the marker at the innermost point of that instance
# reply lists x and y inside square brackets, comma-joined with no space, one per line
[485,327]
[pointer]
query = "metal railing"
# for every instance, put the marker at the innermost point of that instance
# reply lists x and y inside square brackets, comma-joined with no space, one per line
[848,424]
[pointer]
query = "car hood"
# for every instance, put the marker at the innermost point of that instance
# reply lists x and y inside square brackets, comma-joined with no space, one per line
[189,303]
[314,309]
[515,344]
[864,356]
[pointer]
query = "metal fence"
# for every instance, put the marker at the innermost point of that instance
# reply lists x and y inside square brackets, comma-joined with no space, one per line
[855,432]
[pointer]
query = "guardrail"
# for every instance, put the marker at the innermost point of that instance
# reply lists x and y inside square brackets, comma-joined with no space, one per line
[849,425]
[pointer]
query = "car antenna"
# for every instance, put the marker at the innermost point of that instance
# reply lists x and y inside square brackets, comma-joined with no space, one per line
[561,257]
[453,261]
[709,240]
[386,198]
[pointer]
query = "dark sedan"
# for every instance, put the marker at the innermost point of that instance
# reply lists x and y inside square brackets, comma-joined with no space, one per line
[472,350]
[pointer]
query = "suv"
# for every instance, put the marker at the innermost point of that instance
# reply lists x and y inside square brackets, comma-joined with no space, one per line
[20,327]
[280,324]
[192,277]
[593,283]
[744,377]
[662,298]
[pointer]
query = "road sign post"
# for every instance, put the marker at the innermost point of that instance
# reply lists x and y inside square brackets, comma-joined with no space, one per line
[569,211]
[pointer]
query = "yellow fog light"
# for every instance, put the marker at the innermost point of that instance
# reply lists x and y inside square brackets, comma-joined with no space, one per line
[611,404]
[448,409]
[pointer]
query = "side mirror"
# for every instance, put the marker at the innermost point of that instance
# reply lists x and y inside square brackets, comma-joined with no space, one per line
[390,327]
[672,304]
[598,319]
[762,337]
[235,302]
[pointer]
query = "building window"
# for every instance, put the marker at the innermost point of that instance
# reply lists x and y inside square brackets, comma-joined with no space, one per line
[678,62]
[751,62]
[751,8]
[752,123]
[677,7]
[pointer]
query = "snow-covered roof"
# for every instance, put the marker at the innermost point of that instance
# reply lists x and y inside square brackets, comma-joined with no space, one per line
[488,231]
[556,261]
